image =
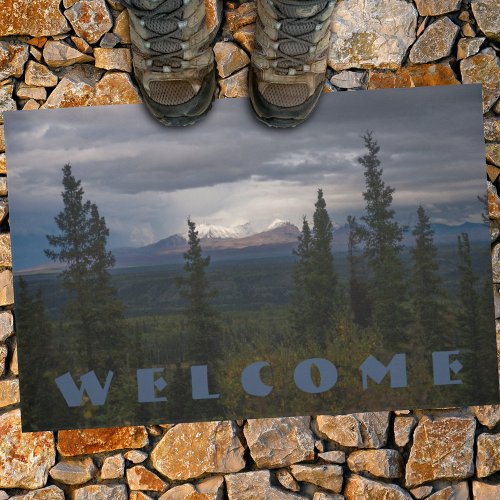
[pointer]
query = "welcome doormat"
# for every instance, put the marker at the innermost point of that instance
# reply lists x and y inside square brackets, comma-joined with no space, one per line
[229,270]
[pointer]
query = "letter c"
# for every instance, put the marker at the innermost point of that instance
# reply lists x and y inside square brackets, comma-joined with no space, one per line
[252,382]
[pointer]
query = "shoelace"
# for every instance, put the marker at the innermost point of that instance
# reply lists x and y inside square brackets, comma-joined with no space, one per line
[299,50]
[168,47]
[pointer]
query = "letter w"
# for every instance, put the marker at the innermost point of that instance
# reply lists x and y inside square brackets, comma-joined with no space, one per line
[89,384]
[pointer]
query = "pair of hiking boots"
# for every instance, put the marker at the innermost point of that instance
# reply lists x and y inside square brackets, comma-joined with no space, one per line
[174,62]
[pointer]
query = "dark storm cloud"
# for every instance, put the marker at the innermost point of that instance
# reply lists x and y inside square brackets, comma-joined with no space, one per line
[431,143]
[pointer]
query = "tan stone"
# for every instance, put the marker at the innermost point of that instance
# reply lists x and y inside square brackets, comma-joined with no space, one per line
[48,493]
[135,456]
[493,153]
[58,54]
[26,92]
[5,253]
[422,491]
[488,416]
[442,449]
[336,457]
[25,459]
[101,492]
[371,33]
[230,58]
[286,480]
[70,92]
[487,15]
[6,288]
[14,369]
[212,487]
[278,442]
[255,485]
[437,7]
[3,186]
[13,57]
[115,88]
[3,495]
[380,463]
[435,42]
[6,325]
[329,477]
[246,37]
[484,491]
[113,467]
[182,492]
[138,495]
[358,488]
[6,102]
[213,14]
[483,68]
[362,430]
[321,495]
[38,41]
[9,392]
[2,139]
[491,130]
[235,85]
[3,356]
[190,450]
[74,471]
[245,14]
[120,59]
[469,46]
[468,30]
[38,75]
[36,53]
[488,454]
[82,45]
[122,28]
[31,104]
[87,441]
[459,491]
[493,201]
[31,17]
[90,19]
[140,478]
[403,428]
[3,163]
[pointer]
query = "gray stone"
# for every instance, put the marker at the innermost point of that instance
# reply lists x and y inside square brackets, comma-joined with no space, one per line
[422,491]
[435,42]
[458,491]
[6,102]
[113,467]
[109,40]
[6,288]
[492,129]
[371,33]
[13,56]
[136,456]
[361,430]
[74,471]
[287,480]
[349,80]
[278,442]
[101,492]
[255,485]
[469,46]
[58,54]
[90,19]
[437,7]
[6,325]
[380,463]
[321,495]
[329,477]
[403,428]
[48,493]
[495,263]
[487,14]
[358,487]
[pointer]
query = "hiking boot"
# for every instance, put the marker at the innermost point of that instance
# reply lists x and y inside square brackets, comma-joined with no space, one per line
[288,65]
[173,58]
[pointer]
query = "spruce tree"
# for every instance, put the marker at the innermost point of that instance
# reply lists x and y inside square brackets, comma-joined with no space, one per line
[201,318]
[93,309]
[382,237]
[427,296]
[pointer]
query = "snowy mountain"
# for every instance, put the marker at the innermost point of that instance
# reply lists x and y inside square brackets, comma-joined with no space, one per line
[217,232]
[277,223]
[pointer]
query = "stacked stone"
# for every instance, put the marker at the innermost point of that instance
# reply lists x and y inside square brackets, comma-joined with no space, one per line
[57,53]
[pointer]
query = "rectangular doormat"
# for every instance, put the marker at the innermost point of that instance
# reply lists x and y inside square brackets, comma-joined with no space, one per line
[228,270]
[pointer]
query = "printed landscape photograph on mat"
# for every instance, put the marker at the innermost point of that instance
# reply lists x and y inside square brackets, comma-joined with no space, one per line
[230,270]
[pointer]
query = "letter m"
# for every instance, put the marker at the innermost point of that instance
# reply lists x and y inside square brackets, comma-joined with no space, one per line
[374,369]
[89,384]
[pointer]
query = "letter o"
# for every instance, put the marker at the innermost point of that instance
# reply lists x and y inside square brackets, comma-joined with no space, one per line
[303,380]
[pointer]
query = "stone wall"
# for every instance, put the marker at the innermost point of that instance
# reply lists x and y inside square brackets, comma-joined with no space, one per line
[57,53]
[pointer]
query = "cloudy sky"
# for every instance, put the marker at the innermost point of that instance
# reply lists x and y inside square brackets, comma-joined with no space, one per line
[229,169]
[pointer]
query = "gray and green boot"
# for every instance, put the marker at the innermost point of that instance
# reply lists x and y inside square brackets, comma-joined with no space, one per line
[173,58]
[288,65]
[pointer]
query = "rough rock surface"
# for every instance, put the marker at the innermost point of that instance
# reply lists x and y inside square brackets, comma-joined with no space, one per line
[456,491]
[487,415]
[488,454]
[13,57]
[235,85]
[437,7]
[6,325]
[329,477]
[468,47]
[48,493]
[371,33]
[57,54]
[25,459]
[113,467]
[433,457]
[82,442]
[277,442]
[435,42]
[485,491]
[190,450]
[6,288]
[140,478]
[229,58]
[358,487]
[403,428]
[74,471]
[90,19]
[9,392]
[362,430]
[256,485]
[31,17]
[101,492]
[119,59]
[39,75]
[4,350]
[487,15]
[380,463]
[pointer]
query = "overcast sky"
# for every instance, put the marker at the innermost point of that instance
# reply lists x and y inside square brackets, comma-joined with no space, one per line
[229,169]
